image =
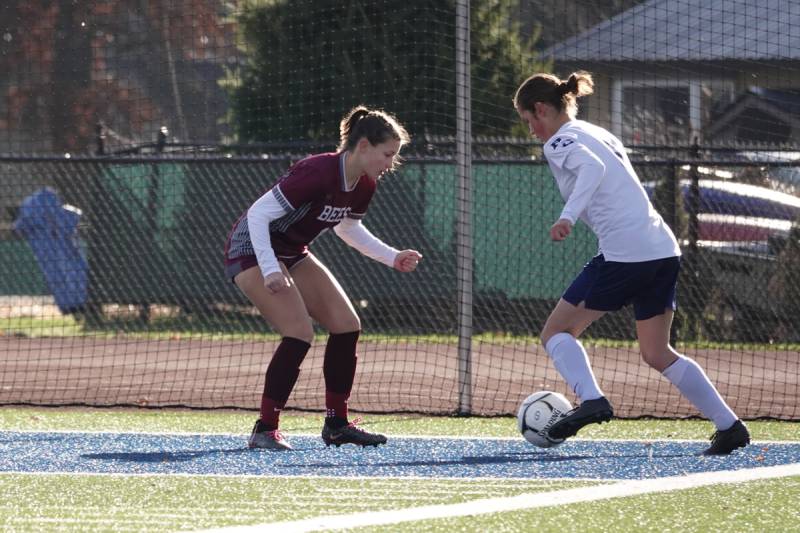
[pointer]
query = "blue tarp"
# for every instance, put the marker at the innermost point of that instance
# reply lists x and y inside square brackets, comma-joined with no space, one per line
[50,228]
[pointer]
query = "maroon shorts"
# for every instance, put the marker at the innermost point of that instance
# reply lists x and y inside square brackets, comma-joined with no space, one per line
[239,264]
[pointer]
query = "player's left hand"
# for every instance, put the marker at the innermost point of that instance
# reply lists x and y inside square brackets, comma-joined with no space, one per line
[407,260]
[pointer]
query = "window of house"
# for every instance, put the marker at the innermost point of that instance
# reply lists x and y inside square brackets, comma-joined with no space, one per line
[656,115]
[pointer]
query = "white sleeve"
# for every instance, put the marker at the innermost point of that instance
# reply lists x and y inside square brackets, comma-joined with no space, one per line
[261,213]
[355,234]
[589,171]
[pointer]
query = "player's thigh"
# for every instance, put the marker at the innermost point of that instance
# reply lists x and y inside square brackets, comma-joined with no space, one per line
[569,318]
[285,310]
[325,299]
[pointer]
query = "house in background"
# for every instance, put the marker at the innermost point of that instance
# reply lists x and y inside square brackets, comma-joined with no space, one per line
[759,115]
[668,71]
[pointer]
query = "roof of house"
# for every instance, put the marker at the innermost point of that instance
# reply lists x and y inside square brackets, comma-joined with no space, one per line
[787,101]
[784,105]
[690,30]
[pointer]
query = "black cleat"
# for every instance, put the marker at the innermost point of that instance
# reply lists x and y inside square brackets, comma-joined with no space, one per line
[589,412]
[724,442]
[351,434]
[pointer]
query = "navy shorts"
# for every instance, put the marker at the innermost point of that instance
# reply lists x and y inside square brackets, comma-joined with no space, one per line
[610,285]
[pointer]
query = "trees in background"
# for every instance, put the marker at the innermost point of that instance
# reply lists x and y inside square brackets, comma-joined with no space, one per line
[308,62]
[132,64]
[557,20]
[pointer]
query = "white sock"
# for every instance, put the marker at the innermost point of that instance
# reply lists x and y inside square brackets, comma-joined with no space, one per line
[695,386]
[572,363]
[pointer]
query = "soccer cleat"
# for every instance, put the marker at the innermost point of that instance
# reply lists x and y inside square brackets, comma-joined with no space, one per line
[351,434]
[268,440]
[724,442]
[589,412]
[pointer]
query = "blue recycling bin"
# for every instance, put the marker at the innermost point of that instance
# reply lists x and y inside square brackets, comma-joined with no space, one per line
[50,228]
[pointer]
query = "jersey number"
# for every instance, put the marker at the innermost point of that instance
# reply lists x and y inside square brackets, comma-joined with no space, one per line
[564,143]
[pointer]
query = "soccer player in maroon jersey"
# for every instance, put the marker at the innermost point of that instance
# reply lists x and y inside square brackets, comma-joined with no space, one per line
[267,257]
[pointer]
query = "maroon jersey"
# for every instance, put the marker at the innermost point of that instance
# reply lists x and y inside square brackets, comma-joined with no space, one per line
[315,196]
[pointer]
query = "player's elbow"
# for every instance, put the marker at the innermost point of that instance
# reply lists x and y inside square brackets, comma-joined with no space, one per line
[343,228]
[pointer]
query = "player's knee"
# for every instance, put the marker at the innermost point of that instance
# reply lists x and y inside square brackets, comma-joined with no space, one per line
[547,334]
[657,357]
[647,353]
[304,332]
[544,337]
[346,324]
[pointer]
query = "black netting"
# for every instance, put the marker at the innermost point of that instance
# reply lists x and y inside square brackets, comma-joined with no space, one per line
[134,134]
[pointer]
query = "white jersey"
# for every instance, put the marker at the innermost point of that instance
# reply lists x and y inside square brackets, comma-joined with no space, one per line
[601,188]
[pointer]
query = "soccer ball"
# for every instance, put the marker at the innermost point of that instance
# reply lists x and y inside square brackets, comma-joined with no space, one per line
[537,413]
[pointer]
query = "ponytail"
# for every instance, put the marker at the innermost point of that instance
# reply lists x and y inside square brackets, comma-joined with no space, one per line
[348,122]
[561,94]
[580,84]
[377,126]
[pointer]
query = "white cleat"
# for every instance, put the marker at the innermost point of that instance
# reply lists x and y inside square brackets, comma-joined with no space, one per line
[268,440]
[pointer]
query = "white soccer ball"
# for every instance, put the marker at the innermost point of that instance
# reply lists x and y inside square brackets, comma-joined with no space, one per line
[537,413]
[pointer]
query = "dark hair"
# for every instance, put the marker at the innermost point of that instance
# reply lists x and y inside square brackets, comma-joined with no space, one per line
[376,125]
[561,94]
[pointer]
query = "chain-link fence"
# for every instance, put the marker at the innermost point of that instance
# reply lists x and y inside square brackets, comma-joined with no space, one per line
[152,230]
[119,297]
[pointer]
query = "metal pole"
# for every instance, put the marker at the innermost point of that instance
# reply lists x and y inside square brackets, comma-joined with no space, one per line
[694,198]
[152,212]
[692,256]
[464,201]
[100,138]
[674,195]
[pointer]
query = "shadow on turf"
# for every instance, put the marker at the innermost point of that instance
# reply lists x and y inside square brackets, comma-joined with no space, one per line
[527,457]
[507,458]
[160,457]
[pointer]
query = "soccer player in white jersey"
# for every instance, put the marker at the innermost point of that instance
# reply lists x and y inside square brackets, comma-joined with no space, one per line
[638,260]
[267,257]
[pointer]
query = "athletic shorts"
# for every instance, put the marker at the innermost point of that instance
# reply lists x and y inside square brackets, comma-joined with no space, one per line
[610,285]
[235,266]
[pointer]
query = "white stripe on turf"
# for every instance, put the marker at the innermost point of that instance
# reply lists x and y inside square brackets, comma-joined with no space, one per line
[522,501]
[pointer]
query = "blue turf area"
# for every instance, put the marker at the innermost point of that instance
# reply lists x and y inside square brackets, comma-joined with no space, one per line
[136,453]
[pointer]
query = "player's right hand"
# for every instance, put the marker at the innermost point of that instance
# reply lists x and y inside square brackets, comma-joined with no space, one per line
[276,282]
[560,230]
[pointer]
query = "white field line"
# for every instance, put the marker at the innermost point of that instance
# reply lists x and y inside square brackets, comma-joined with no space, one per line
[522,501]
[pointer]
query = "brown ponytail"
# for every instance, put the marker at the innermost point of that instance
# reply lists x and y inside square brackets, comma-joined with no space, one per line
[561,94]
[377,126]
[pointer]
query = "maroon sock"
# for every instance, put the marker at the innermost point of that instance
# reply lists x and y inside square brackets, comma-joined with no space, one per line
[339,368]
[282,373]
[336,405]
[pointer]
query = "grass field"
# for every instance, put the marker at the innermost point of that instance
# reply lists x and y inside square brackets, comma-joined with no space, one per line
[110,502]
